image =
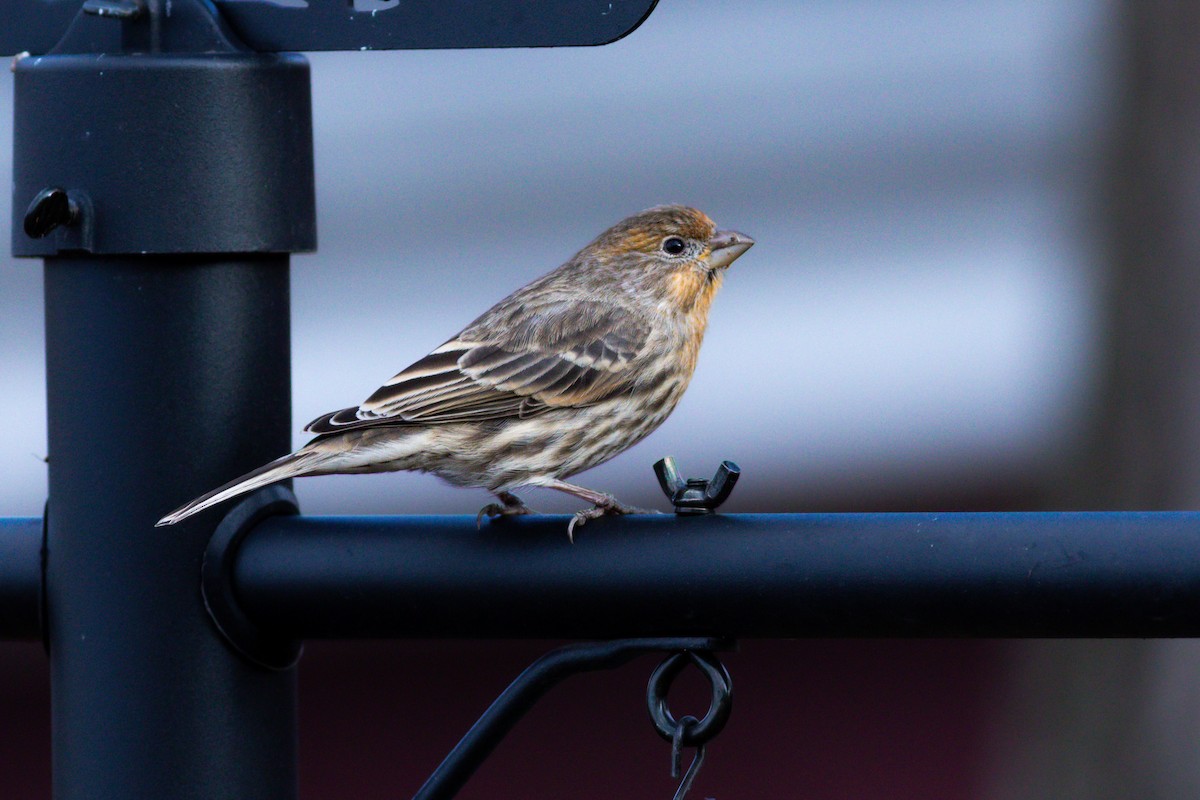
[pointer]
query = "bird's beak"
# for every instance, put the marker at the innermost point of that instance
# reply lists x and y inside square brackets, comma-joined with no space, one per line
[726,246]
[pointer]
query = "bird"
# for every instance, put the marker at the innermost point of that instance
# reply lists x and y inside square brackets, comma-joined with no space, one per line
[560,376]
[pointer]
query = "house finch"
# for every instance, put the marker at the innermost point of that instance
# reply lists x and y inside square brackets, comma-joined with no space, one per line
[556,378]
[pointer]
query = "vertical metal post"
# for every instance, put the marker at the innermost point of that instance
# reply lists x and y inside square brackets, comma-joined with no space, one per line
[163,378]
[165,191]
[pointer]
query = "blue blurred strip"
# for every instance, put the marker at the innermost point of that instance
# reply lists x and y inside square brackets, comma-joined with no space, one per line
[20,577]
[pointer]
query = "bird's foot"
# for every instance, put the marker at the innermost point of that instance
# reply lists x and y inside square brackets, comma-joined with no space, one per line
[607,506]
[509,506]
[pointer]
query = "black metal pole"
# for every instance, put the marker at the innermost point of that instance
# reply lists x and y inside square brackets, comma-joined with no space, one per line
[167,190]
[158,374]
[785,575]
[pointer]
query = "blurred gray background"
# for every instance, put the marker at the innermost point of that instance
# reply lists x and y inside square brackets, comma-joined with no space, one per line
[974,287]
[918,319]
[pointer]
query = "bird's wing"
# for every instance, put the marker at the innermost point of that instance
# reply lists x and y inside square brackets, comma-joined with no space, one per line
[512,362]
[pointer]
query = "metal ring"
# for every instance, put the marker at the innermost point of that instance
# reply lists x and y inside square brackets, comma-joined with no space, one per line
[718,709]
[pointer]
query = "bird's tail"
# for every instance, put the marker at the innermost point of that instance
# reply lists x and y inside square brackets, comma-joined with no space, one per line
[290,466]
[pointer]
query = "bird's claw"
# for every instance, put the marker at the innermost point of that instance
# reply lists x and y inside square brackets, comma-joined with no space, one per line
[489,511]
[498,510]
[609,508]
[581,518]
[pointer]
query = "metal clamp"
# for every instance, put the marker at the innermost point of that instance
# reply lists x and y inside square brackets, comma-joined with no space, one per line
[216,580]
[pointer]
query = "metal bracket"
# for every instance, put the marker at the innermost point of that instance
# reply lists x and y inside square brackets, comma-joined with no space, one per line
[216,580]
[529,687]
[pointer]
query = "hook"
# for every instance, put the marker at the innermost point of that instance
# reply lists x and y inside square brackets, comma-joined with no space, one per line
[685,785]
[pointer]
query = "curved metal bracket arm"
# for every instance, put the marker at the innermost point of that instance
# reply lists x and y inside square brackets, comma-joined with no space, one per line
[529,687]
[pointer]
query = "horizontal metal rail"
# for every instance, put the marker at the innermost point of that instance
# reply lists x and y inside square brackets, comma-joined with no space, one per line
[782,575]
[746,575]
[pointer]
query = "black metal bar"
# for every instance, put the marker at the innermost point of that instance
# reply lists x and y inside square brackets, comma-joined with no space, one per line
[529,687]
[267,26]
[335,25]
[20,578]
[1015,574]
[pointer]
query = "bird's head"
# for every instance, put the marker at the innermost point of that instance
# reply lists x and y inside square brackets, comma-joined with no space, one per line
[675,253]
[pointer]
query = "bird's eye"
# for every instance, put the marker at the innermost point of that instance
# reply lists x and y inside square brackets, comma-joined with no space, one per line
[673,245]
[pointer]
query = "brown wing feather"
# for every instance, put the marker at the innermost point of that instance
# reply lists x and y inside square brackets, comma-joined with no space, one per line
[564,354]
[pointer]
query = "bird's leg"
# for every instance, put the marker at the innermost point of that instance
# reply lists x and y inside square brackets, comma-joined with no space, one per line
[509,506]
[603,504]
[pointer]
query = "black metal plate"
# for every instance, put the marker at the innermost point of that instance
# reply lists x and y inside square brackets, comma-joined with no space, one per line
[285,25]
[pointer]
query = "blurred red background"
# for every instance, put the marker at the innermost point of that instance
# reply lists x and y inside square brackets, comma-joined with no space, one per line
[812,719]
